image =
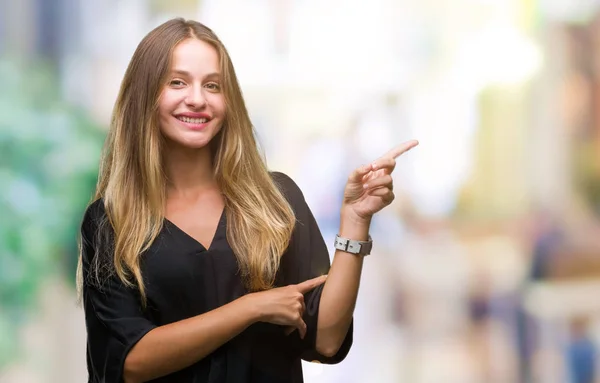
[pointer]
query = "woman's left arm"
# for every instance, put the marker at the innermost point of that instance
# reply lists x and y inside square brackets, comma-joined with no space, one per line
[368,190]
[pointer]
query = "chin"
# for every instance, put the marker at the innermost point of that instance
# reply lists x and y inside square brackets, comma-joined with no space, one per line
[198,146]
[191,139]
[194,144]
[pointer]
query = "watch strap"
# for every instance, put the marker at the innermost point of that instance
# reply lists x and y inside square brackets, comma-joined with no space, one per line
[353,247]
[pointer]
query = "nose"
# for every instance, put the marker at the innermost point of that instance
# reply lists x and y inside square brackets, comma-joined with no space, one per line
[195,97]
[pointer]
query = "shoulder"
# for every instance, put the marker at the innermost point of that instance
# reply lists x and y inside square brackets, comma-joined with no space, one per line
[287,186]
[96,233]
[93,216]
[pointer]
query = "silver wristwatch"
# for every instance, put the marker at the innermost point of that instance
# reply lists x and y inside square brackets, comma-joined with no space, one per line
[353,247]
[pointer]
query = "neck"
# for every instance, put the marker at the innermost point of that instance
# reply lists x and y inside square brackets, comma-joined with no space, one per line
[189,171]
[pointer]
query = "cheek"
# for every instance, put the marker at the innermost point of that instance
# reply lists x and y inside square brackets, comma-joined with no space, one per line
[222,109]
[167,102]
[165,110]
[217,103]
[162,108]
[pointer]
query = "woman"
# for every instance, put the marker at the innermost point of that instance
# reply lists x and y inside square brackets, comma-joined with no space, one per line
[197,264]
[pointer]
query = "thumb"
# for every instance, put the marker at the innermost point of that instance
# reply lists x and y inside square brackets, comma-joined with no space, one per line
[310,284]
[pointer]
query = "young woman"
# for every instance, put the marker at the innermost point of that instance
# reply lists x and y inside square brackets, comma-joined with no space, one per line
[197,263]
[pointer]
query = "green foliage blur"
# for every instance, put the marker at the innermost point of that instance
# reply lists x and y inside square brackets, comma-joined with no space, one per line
[49,155]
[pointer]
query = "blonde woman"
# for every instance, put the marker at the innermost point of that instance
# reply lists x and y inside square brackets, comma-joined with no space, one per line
[197,263]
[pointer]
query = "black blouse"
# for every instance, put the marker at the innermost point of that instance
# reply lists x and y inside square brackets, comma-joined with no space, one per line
[183,279]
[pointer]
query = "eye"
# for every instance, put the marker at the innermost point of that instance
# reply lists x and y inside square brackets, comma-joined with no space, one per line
[213,86]
[177,83]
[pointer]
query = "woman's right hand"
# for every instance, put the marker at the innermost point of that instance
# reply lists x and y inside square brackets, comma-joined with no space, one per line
[285,305]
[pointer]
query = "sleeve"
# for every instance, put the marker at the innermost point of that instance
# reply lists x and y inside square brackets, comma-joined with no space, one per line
[310,258]
[113,314]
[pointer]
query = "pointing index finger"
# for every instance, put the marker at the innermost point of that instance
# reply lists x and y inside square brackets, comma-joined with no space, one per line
[310,284]
[402,148]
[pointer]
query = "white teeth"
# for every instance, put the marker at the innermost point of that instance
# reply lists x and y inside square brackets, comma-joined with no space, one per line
[192,120]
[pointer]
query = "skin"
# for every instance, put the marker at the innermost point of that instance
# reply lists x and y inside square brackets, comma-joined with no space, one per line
[368,190]
[193,89]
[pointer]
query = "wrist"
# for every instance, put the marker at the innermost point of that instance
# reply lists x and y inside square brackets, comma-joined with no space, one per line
[349,216]
[251,308]
[353,226]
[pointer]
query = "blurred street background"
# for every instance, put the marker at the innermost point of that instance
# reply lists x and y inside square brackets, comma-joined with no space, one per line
[486,268]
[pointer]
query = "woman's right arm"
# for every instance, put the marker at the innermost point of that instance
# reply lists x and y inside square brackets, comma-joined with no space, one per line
[173,347]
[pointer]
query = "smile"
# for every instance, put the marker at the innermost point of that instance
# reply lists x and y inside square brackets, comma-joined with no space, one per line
[192,120]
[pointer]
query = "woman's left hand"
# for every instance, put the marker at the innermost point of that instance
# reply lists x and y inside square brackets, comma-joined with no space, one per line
[370,188]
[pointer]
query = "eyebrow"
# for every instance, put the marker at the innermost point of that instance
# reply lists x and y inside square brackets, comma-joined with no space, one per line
[187,74]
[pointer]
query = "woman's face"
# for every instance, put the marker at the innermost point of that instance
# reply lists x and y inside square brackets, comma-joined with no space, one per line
[192,105]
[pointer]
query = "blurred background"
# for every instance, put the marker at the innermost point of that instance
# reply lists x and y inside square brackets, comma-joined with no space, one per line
[486,268]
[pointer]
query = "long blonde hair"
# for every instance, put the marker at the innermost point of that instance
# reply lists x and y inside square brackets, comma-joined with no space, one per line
[132,182]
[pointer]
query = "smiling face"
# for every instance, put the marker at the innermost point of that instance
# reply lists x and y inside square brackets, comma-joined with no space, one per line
[192,105]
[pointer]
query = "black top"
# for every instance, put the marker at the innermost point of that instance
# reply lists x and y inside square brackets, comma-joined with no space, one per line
[183,279]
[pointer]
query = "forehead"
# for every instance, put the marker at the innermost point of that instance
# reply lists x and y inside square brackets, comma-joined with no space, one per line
[195,56]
